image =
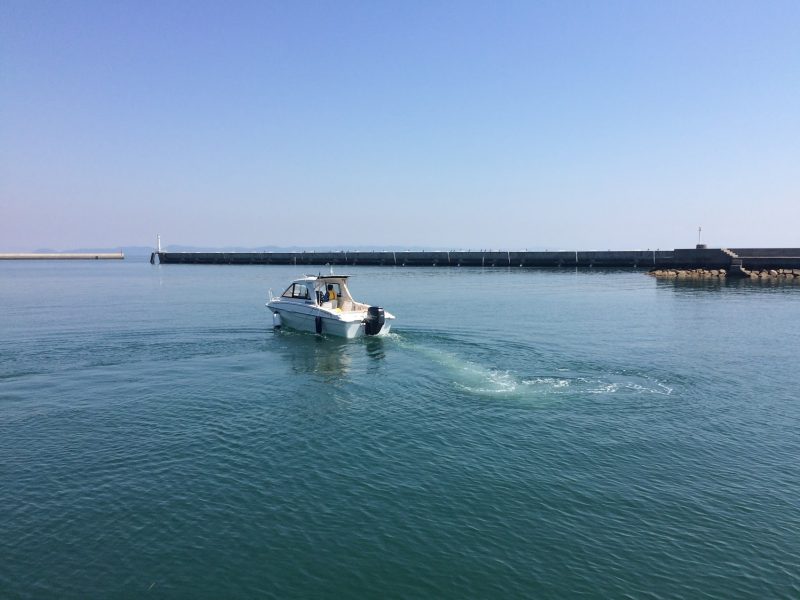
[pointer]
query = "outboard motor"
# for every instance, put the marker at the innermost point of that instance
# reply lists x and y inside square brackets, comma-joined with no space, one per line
[374,321]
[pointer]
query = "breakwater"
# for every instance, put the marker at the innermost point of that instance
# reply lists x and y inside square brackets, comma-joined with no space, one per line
[689,258]
[785,274]
[62,256]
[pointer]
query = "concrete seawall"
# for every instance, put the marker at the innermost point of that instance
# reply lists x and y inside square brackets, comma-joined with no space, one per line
[709,258]
[62,256]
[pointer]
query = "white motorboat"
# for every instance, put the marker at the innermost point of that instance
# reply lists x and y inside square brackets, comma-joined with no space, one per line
[323,304]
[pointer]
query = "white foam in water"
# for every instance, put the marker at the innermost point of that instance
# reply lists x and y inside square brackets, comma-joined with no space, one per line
[548,382]
[481,380]
[604,388]
[477,379]
[471,377]
[485,381]
[665,389]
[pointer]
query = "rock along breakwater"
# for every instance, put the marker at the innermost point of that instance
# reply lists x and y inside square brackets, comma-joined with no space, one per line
[786,274]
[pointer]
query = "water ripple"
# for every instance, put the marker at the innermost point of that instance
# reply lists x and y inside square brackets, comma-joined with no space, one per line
[179,447]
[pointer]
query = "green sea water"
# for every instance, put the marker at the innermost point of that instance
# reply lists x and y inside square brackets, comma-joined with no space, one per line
[521,433]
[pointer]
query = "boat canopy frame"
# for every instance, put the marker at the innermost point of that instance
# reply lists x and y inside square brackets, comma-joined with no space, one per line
[319,284]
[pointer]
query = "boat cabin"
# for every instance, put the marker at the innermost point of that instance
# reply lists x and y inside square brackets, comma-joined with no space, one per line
[325,291]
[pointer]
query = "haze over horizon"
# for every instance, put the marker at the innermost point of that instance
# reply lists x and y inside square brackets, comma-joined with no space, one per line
[471,125]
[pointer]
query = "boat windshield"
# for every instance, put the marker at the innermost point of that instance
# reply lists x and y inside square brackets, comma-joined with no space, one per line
[297,290]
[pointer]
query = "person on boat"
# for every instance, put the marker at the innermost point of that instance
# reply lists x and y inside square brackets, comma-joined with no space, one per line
[330,295]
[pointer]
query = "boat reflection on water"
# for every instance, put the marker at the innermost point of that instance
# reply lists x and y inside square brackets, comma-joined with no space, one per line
[375,347]
[327,356]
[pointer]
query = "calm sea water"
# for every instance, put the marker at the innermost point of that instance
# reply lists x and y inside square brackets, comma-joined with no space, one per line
[524,433]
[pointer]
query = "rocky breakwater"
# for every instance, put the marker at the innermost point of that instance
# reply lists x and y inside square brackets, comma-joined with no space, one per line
[793,274]
[785,274]
[688,273]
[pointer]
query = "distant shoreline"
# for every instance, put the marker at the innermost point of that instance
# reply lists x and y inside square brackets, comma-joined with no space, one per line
[62,256]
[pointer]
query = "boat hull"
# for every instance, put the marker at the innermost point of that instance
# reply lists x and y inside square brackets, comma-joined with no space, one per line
[307,321]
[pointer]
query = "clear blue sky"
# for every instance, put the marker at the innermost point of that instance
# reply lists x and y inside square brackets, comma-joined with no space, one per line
[587,125]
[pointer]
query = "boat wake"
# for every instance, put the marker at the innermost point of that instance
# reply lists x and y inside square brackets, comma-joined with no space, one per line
[474,378]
